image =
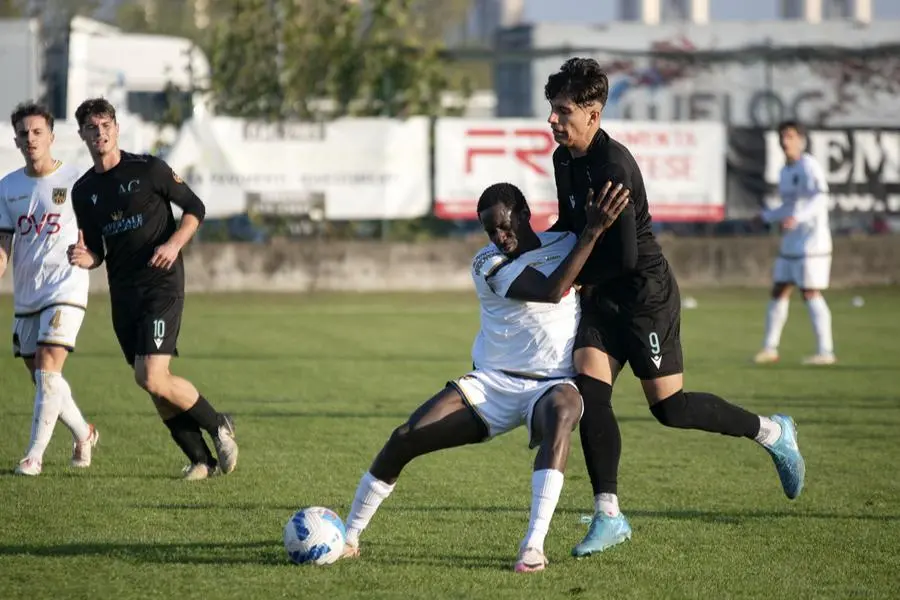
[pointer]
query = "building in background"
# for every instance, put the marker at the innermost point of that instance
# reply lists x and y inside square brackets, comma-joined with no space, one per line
[21,62]
[815,11]
[66,62]
[729,71]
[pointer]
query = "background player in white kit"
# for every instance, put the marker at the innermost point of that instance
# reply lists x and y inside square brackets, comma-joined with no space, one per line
[522,358]
[50,296]
[804,260]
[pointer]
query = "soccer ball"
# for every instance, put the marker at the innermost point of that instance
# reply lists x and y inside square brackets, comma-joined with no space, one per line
[314,535]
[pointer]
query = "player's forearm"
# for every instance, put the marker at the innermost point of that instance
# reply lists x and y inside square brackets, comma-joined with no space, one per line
[779,213]
[187,229]
[5,245]
[564,276]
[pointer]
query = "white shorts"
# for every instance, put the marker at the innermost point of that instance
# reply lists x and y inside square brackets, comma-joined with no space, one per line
[54,326]
[505,402]
[808,273]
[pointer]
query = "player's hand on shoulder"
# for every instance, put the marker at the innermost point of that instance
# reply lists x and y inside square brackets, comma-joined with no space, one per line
[165,256]
[603,208]
[789,223]
[79,255]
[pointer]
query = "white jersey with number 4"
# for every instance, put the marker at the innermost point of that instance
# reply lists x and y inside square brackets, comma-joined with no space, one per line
[38,211]
[804,196]
[529,338]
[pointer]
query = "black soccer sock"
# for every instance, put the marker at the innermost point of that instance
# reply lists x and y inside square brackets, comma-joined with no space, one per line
[601,441]
[205,416]
[189,438]
[707,412]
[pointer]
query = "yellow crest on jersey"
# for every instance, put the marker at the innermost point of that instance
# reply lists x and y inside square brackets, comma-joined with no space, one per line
[177,178]
[59,195]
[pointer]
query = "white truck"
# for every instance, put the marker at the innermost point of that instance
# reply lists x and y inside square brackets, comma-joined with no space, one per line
[96,59]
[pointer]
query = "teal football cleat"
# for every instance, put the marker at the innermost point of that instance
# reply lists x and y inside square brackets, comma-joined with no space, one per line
[604,533]
[787,458]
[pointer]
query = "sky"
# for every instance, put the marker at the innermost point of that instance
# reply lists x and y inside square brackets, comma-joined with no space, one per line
[721,10]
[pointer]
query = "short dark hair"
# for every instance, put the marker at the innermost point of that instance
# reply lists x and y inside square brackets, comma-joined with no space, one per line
[31,109]
[582,80]
[94,107]
[792,124]
[502,193]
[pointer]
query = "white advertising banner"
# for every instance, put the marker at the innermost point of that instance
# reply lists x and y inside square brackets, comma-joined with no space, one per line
[683,165]
[368,168]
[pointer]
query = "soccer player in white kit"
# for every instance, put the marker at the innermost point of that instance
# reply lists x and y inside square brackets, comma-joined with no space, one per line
[523,370]
[50,296]
[804,260]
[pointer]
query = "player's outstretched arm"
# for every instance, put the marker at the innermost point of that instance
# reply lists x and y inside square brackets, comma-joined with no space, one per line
[173,188]
[777,214]
[602,210]
[5,246]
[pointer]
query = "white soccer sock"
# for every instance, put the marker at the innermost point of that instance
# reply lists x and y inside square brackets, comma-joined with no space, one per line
[70,414]
[546,486]
[820,315]
[370,493]
[47,401]
[776,317]
[769,432]
[606,503]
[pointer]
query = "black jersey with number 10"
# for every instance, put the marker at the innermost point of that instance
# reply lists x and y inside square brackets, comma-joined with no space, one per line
[126,213]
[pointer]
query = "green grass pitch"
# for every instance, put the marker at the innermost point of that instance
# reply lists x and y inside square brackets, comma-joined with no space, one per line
[317,383]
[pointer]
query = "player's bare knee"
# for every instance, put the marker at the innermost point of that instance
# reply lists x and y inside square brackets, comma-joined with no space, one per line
[566,406]
[154,383]
[49,358]
[781,291]
[811,294]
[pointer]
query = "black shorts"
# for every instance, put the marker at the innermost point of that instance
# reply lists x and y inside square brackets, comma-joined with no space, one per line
[646,335]
[147,322]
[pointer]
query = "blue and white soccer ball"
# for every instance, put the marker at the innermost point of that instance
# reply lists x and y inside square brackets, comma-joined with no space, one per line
[314,535]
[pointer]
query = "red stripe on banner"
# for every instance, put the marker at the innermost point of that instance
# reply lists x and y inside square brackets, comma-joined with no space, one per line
[488,132]
[665,213]
[465,209]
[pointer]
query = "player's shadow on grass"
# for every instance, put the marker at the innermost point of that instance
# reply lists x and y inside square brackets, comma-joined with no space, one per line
[248,506]
[312,357]
[388,554]
[739,516]
[828,399]
[729,517]
[242,553]
[824,369]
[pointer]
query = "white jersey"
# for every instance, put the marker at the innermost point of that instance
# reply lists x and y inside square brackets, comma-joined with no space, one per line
[529,338]
[38,211]
[804,196]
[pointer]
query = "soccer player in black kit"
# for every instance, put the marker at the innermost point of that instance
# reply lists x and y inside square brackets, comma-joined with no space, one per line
[124,212]
[631,310]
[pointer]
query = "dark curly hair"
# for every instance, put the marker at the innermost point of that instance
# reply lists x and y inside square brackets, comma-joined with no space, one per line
[502,193]
[94,107]
[581,80]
